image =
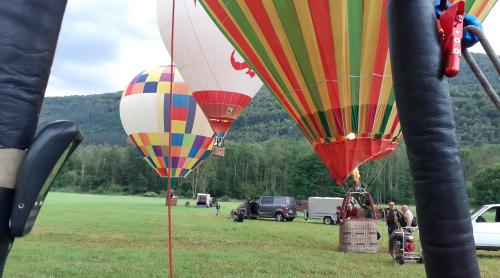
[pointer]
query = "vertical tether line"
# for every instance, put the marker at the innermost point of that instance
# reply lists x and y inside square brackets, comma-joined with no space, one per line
[169,172]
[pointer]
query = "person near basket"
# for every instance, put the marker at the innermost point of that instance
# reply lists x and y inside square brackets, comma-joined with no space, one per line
[339,214]
[352,212]
[406,219]
[392,218]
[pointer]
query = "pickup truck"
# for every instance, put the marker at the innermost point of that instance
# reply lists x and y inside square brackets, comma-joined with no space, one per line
[486,226]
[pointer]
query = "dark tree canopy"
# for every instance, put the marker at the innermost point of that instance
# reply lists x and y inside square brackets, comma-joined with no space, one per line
[486,186]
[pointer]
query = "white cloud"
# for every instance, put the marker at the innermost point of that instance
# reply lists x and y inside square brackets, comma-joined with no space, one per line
[104,44]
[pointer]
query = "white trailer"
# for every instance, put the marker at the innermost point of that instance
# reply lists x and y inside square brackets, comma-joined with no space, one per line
[323,208]
[203,200]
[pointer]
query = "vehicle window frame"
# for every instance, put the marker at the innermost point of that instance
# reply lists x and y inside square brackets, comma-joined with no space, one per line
[477,211]
[254,199]
[266,198]
[488,219]
[280,201]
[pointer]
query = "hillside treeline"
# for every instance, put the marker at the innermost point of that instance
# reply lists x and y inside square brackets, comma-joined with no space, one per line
[265,151]
[275,167]
[477,120]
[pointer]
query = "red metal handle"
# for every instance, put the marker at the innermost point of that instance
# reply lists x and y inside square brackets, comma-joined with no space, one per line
[452,25]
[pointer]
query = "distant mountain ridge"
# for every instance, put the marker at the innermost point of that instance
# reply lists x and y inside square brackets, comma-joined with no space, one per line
[478,121]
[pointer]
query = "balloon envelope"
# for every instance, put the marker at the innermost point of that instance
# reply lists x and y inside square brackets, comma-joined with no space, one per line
[221,81]
[145,116]
[478,8]
[328,64]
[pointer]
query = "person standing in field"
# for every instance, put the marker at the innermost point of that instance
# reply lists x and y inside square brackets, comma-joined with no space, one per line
[217,208]
[391,218]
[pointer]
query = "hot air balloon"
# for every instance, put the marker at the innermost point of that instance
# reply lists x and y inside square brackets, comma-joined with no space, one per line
[145,116]
[477,8]
[222,83]
[327,62]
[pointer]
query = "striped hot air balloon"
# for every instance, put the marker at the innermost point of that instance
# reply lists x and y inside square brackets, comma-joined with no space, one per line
[477,8]
[328,64]
[222,83]
[145,116]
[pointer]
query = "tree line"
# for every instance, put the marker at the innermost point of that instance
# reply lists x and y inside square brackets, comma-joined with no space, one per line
[265,151]
[275,167]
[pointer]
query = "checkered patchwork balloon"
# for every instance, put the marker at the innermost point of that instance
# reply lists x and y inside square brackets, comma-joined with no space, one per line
[145,116]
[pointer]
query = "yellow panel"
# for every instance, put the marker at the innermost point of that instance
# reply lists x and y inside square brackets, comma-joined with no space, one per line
[155,159]
[185,151]
[339,14]
[475,7]
[153,138]
[392,117]
[287,49]
[159,139]
[307,28]
[372,11]
[178,126]
[486,10]
[385,93]
[190,162]
[163,87]
[245,8]
[154,76]
[137,139]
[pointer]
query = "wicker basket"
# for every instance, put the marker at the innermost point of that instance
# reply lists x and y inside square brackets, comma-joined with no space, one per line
[358,235]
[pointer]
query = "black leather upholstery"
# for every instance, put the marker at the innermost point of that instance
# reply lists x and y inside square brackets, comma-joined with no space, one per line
[28,37]
[425,112]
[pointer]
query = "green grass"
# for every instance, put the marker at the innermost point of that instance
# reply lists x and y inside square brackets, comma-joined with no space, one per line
[114,236]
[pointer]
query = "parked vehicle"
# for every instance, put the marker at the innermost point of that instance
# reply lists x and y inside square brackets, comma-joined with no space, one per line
[486,226]
[280,208]
[203,200]
[323,208]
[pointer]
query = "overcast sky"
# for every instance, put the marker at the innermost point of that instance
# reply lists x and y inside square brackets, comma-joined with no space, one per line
[104,44]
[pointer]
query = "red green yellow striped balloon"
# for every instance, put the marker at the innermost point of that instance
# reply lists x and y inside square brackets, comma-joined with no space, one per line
[145,116]
[478,8]
[328,64]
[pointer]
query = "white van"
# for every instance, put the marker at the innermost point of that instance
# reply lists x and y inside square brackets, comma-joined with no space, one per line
[323,208]
[203,200]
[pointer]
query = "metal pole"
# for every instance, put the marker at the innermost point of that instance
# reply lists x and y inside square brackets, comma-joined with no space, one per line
[475,68]
[486,45]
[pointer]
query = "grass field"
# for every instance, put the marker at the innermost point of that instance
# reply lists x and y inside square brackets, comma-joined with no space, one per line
[113,236]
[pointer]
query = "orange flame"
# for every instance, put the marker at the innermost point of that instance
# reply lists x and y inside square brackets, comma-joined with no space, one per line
[356,176]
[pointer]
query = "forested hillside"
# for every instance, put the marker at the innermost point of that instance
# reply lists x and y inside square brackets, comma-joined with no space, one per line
[266,153]
[477,120]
